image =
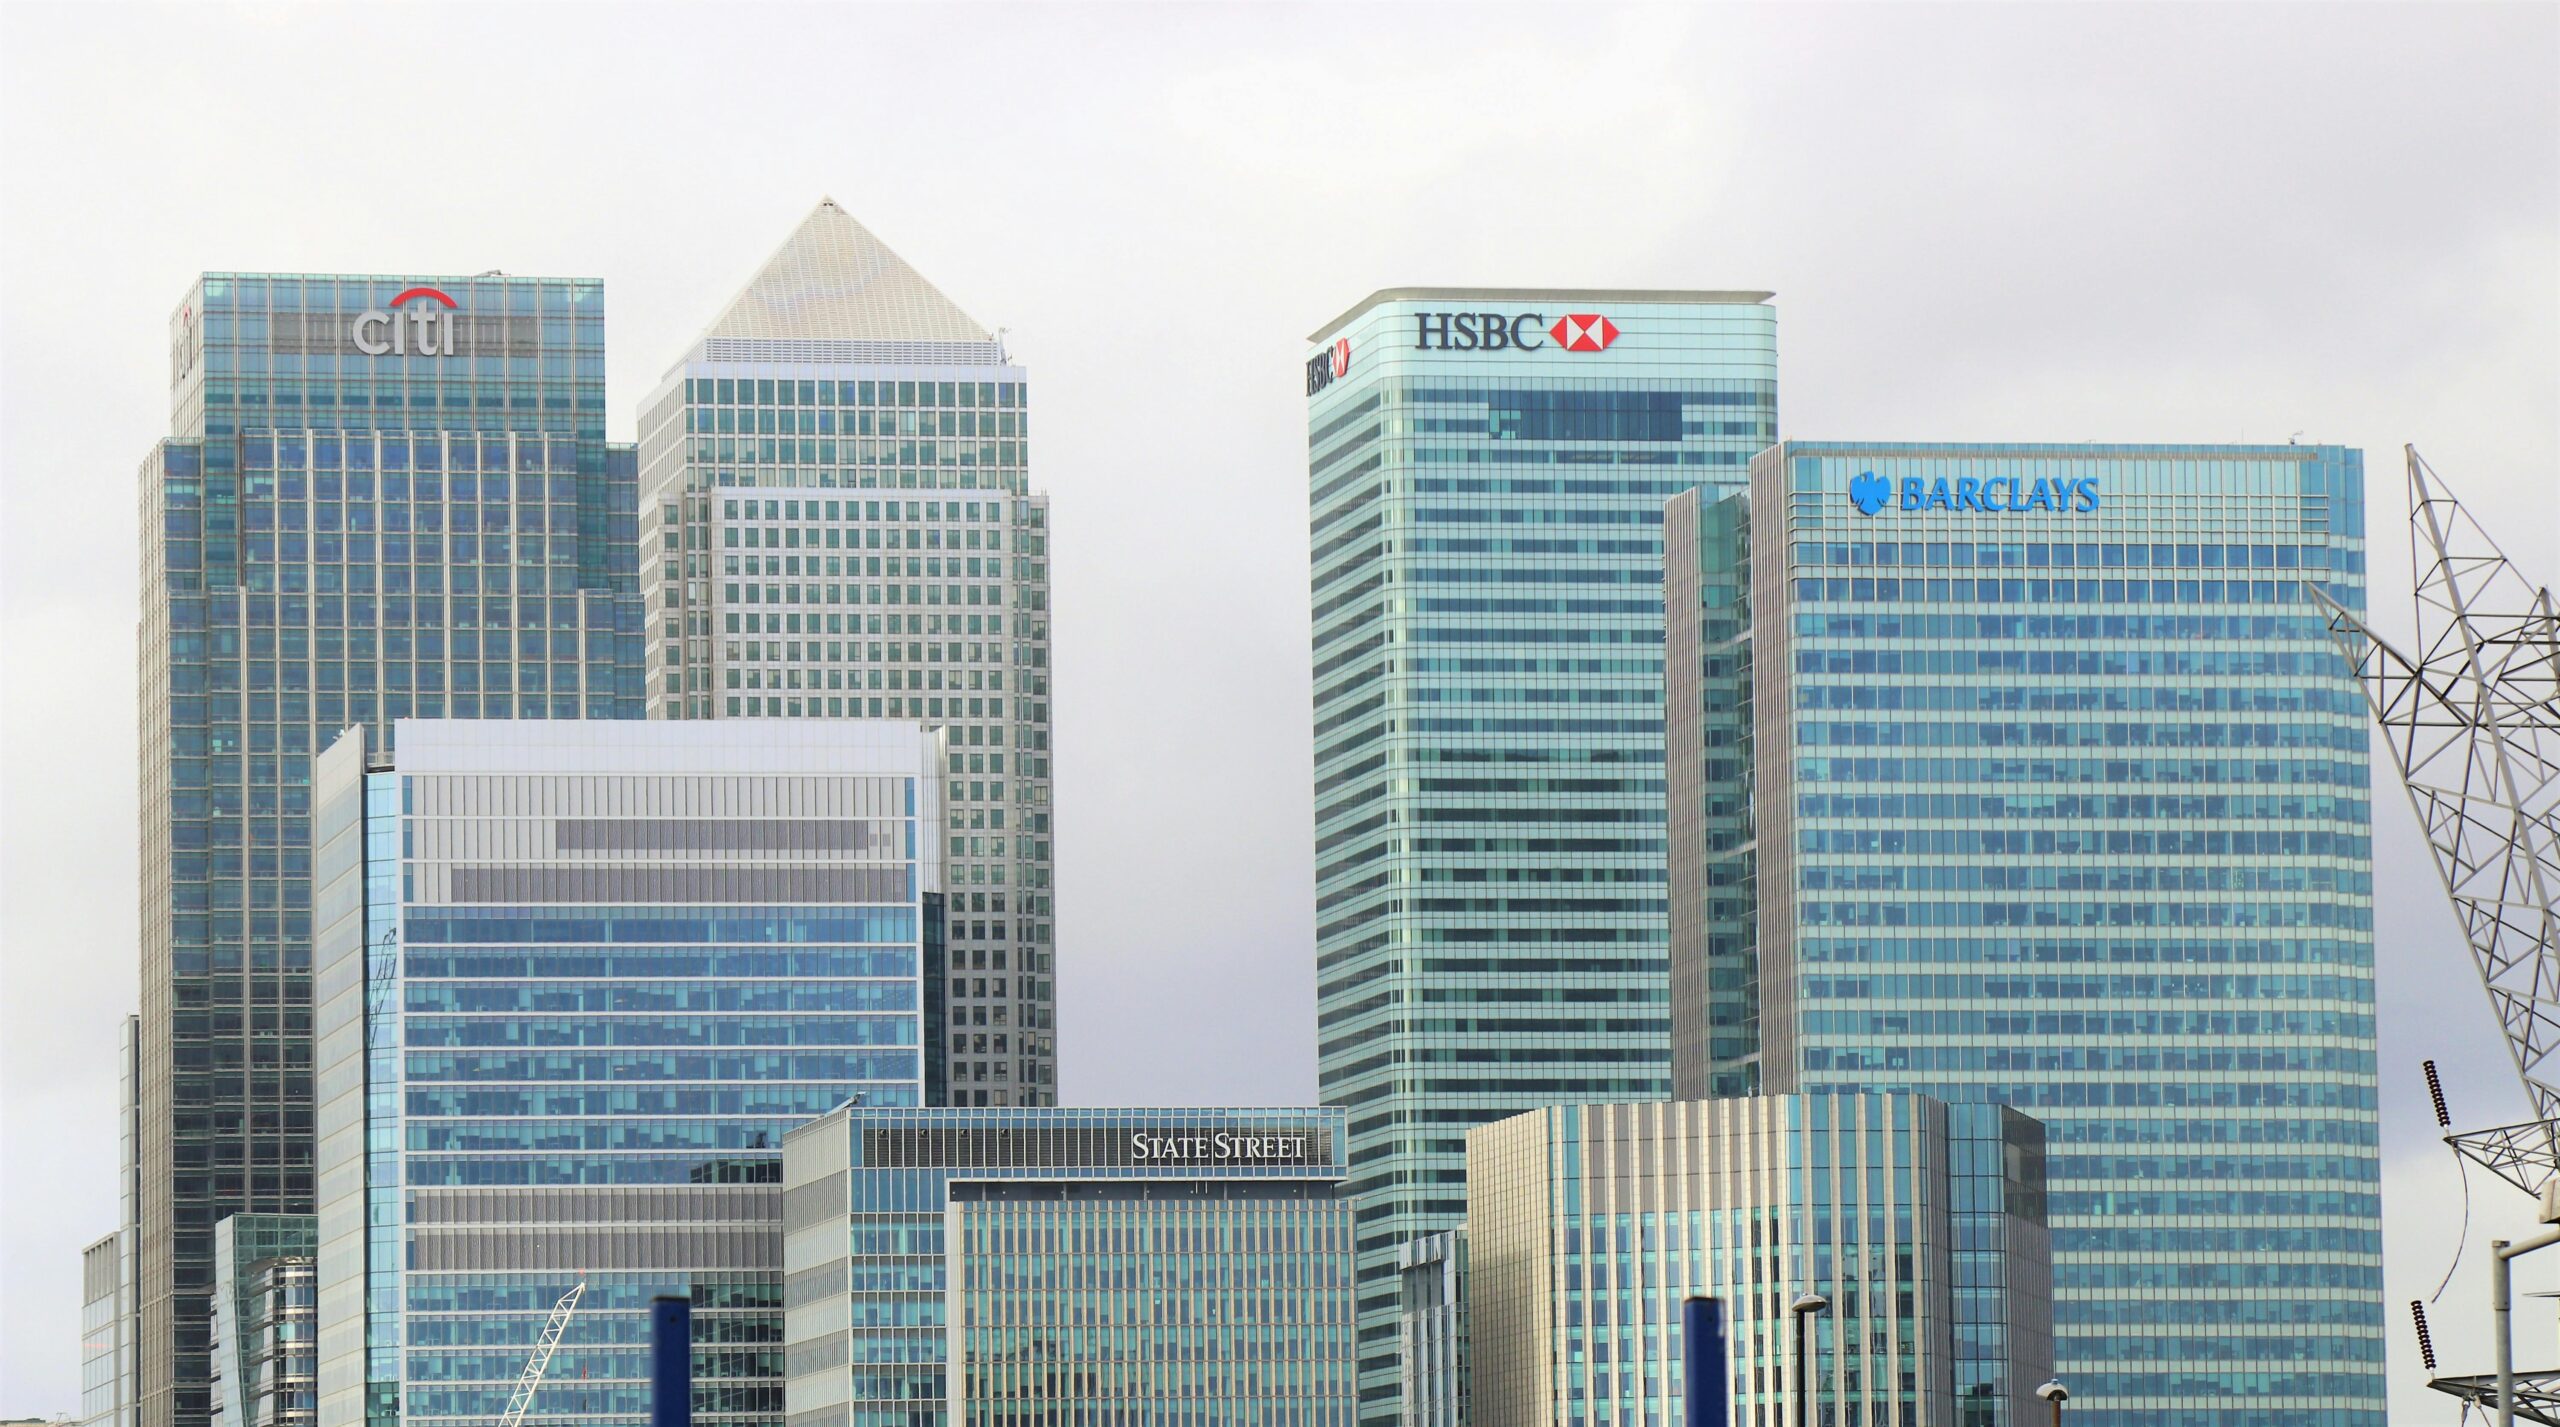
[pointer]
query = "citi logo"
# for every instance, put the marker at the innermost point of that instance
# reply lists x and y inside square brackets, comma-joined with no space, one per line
[403,330]
[1329,366]
[1517,332]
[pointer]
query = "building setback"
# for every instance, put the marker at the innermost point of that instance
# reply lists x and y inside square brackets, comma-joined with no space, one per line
[997,1268]
[380,497]
[1486,476]
[575,984]
[2028,774]
[837,522]
[1589,1225]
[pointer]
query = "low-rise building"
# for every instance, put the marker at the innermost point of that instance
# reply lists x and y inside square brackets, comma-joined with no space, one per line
[996,1267]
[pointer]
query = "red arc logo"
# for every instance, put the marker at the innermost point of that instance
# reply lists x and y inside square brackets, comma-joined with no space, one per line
[1584,332]
[403,299]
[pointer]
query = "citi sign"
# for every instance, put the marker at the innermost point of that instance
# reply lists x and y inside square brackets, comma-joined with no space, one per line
[1870,493]
[423,330]
[1521,332]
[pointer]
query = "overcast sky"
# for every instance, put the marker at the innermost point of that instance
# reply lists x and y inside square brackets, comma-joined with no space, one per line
[2009,223]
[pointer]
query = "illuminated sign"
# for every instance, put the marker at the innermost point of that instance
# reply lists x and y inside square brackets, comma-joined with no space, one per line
[1870,493]
[404,330]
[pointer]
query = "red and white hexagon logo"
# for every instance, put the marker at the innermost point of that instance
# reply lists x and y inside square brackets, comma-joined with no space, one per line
[1341,358]
[1584,332]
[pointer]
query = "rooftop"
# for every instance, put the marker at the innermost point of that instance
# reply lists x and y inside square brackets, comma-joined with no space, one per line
[833,280]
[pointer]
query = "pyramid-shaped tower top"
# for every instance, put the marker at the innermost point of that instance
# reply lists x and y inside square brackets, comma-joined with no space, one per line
[834,281]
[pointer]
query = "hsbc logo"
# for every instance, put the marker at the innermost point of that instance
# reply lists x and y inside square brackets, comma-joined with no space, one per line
[1584,332]
[1329,366]
[413,324]
[1519,332]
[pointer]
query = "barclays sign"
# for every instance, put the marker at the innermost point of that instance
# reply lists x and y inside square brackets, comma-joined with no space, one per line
[1870,493]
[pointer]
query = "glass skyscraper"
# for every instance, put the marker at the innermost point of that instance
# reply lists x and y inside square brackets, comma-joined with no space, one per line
[1001,1267]
[380,497]
[2028,774]
[837,521]
[574,985]
[1487,471]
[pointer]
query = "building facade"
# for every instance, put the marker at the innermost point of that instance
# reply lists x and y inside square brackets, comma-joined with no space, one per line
[1431,1337]
[380,497]
[101,1332]
[266,1314]
[575,984]
[2028,775]
[1486,472]
[110,1393]
[1000,1268]
[837,521]
[1589,1225]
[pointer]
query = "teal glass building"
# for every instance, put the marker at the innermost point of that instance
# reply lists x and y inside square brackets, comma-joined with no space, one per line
[2028,774]
[1006,1267]
[380,497]
[1486,476]
[574,985]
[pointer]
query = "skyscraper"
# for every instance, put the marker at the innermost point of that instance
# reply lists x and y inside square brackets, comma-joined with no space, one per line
[837,522]
[2028,774]
[574,986]
[1486,477]
[379,497]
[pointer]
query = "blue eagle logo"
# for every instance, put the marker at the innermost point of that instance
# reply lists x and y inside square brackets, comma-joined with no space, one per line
[1869,492]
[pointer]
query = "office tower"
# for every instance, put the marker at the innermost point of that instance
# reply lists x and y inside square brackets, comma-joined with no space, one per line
[379,497]
[1004,1266]
[1431,1330]
[101,1332]
[2056,797]
[574,983]
[838,523]
[108,1324]
[1486,477]
[265,1321]
[1589,1225]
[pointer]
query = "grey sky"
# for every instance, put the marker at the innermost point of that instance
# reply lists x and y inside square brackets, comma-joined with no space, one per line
[2064,222]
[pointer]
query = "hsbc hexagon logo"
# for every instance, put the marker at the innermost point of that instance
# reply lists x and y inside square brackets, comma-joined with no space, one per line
[408,326]
[1584,332]
[1329,366]
[1513,332]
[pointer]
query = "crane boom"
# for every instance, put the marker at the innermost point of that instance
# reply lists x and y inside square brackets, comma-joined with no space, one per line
[540,1362]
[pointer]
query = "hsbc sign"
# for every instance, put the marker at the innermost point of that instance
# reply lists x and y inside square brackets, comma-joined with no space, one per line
[1516,332]
[413,325]
[1329,366]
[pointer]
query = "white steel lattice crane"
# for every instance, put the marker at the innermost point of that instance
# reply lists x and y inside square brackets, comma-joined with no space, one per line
[540,1362]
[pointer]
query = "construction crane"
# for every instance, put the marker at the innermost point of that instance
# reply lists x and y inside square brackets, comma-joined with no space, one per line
[540,1362]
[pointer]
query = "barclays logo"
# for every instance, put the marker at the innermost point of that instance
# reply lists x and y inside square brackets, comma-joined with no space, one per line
[1870,493]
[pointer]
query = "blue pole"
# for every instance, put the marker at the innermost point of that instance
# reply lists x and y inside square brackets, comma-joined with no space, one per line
[1705,1394]
[670,1362]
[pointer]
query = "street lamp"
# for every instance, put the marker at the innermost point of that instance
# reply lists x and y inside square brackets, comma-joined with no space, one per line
[1802,1309]
[2057,1394]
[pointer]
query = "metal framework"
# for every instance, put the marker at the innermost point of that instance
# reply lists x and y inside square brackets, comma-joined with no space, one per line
[2473,723]
[2537,1394]
[540,1363]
